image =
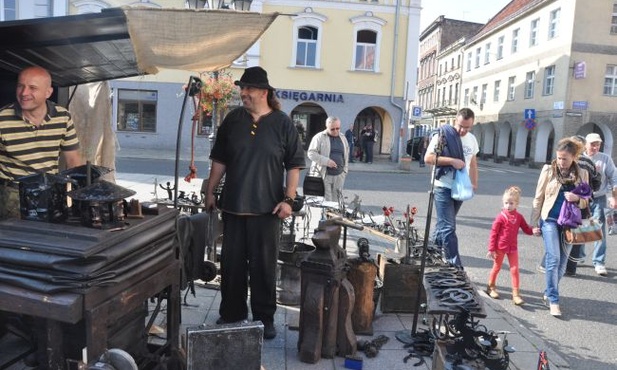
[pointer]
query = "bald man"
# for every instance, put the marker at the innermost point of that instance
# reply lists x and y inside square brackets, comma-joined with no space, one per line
[34,132]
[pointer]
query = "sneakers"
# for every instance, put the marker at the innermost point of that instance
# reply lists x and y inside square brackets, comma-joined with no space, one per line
[541,269]
[601,270]
[269,330]
[554,309]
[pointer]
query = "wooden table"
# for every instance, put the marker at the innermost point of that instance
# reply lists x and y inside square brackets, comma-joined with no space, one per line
[99,306]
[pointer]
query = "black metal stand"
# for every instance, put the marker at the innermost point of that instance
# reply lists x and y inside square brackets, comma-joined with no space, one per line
[405,336]
[192,88]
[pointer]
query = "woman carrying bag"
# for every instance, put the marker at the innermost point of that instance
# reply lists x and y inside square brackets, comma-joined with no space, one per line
[555,185]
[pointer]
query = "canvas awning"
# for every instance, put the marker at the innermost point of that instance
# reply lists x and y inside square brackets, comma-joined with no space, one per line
[126,42]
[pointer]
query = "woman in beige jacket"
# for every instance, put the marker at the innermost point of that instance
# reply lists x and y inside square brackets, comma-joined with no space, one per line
[555,184]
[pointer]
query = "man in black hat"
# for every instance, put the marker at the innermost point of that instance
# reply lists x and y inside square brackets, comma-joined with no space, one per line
[258,150]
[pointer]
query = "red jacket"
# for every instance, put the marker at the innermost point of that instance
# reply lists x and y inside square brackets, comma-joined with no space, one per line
[505,230]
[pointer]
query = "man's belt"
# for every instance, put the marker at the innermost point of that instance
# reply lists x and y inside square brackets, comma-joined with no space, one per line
[9,183]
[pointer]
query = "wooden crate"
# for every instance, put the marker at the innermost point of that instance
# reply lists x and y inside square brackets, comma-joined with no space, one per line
[400,288]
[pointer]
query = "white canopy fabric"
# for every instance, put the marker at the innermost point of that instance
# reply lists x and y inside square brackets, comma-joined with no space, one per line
[192,40]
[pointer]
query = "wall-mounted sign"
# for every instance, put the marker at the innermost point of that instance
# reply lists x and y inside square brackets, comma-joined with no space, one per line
[581,105]
[529,113]
[558,105]
[309,96]
[580,70]
[574,114]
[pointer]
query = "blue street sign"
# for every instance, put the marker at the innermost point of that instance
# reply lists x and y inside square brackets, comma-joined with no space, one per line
[416,111]
[530,114]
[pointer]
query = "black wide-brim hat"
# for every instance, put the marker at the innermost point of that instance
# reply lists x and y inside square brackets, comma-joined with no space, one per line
[254,77]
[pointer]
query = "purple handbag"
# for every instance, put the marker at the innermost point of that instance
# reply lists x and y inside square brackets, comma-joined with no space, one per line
[569,215]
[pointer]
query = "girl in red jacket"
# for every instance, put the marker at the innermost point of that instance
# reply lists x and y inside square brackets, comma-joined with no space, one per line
[503,241]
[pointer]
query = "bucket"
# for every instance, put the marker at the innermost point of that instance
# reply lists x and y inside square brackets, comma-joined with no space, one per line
[288,280]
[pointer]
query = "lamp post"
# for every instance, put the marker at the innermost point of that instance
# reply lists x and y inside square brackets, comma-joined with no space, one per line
[195,83]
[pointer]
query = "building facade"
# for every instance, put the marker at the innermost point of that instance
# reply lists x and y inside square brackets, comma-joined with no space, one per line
[541,70]
[439,80]
[354,59]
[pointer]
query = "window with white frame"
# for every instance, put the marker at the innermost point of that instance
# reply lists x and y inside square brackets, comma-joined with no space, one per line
[42,8]
[500,42]
[478,51]
[487,53]
[9,10]
[367,43]
[466,97]
[469,61]
[530,82]
[95,6]
[614,19]
[511,88]
[443,96]
[549,80]
[515,40]
[456,87]
[533,32]
[307,35]
[306,47]
[553,23]
[496,90]
[450,95]
[474,96]
[137,110]
[610,80]
[483,95]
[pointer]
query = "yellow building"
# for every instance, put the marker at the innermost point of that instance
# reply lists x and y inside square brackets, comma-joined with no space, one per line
[354,59]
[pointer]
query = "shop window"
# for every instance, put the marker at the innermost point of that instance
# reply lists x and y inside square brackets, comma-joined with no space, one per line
[137,110]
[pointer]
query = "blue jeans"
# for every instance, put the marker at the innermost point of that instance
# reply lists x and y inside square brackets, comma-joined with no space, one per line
[556,257]
[599,248]
[444,235]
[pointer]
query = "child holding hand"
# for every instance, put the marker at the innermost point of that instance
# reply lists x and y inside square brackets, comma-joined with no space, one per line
[503,241]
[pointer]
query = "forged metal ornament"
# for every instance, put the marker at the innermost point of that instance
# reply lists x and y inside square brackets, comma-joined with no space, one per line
[42,197]
[102,204]
[101,191]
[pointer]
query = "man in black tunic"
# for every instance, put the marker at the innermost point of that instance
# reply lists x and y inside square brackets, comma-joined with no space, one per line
[258,150]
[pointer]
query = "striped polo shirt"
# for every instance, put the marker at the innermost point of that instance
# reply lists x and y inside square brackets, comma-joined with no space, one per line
[26,149]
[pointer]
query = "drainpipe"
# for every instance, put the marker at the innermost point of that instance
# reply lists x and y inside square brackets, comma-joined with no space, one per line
[397,155]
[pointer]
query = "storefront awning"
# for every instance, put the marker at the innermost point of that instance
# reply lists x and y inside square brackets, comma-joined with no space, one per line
[126,42]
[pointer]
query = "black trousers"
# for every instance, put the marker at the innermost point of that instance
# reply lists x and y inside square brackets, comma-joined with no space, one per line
[248,258]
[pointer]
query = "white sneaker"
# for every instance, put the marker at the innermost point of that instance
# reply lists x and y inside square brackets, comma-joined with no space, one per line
[601,270]
[554,309]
